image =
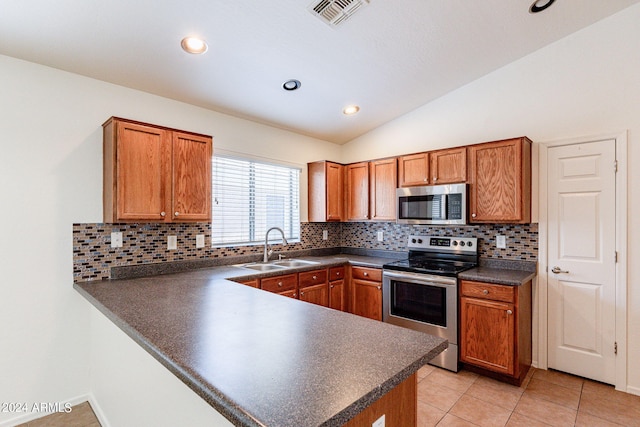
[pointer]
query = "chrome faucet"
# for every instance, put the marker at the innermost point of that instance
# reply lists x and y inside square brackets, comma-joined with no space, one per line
[267,251]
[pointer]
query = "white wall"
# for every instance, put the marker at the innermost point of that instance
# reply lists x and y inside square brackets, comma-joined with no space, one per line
[586,84]
[51,177]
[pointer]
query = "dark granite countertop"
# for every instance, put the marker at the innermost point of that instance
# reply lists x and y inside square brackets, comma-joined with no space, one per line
[258,358]
[503,272]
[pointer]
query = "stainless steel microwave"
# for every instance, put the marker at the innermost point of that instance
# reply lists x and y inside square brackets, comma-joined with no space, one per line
[433,204]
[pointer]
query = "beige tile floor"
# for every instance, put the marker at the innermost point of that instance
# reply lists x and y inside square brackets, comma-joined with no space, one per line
[546,398]
[446,399]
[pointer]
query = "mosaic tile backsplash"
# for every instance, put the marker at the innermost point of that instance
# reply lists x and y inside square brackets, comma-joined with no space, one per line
[93,256]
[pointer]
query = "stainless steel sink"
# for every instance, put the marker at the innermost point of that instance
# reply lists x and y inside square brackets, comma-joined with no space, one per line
[264,267]
[295,263]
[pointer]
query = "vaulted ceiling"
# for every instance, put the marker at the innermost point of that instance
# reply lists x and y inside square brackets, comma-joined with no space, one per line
[389,57]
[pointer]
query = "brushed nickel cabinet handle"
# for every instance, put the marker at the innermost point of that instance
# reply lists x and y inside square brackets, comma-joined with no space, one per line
[509,312]
[163,214]
[177,213]
[486,292]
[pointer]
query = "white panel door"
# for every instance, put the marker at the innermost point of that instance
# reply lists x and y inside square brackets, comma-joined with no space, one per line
[581,276]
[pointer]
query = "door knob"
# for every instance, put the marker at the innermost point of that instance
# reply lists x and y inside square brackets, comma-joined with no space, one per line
[557,270]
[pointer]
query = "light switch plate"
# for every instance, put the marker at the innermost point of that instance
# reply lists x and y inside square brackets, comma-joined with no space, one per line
[116,239]
[379,422]
[501,241]
[325,235]
[380,236]
[200,241]
[172,242]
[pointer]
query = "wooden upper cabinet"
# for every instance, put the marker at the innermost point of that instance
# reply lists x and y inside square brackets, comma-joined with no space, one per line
[413,170]
[155,174]
[448,166]
[357,190]
[191,185]
[326,191]
[383,181]
[500,181]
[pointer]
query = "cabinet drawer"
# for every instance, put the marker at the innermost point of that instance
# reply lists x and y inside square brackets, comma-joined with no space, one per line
[366,273]
[336,273]
[488,291]
[279,283]
[315,277]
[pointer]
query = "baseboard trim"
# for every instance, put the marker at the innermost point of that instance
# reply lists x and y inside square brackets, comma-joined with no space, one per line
[633,390]
[27,417]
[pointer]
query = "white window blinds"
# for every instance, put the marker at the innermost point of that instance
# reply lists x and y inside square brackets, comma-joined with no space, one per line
[250,197]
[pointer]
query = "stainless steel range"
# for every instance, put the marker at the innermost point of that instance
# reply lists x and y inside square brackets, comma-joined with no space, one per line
[421,292]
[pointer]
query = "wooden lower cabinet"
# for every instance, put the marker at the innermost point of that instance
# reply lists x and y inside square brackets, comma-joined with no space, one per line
[495,329]
[280,284]
[337,289]
[253,283]
[367,292]
[314,287]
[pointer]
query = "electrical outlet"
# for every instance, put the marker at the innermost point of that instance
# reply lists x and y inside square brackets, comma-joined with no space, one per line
[200,241]
[325,235]
[501,241]
[172,242]
[116,239]
[380,236]
[379,422]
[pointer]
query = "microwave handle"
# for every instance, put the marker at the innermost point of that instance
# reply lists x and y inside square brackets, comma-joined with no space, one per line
[443,206]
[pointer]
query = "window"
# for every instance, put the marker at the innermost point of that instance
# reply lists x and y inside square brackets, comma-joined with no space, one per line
[249,197]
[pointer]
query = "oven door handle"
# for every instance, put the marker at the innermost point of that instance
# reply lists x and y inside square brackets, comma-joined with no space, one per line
[423,278]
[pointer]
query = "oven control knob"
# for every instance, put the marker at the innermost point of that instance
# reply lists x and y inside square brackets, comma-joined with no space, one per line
[462,243]
[413,240]
[469,244]
[455,243]
[420,241]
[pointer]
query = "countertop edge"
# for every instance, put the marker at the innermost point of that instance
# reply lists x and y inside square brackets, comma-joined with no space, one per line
[358,406]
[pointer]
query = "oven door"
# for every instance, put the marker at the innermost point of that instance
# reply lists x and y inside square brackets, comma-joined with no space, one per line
[424,302]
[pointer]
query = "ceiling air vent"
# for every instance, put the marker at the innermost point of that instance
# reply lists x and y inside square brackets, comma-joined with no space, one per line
[335,12]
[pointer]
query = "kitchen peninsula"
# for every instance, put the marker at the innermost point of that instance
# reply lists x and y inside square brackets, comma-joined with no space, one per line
[264,360]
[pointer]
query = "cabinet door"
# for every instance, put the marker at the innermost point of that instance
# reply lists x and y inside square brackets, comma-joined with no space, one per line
[191,177]
[317,294]
[383,181]
[142,169]
[358,191]
[367,299]
[326,191]
[334,189]
[487,334]
[449,166]
[500,181]
[413,170]
[337,299]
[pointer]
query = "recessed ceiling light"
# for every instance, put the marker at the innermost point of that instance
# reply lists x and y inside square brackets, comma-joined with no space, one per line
[540,5]
[291,84]
[194,45]
[351,109]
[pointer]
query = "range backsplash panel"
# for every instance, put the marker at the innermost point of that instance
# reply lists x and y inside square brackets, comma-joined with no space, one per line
[522,239]
[93,256]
